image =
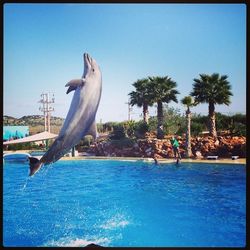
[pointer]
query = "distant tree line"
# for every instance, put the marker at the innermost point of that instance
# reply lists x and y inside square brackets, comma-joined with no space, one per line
[31,120]
[174,122]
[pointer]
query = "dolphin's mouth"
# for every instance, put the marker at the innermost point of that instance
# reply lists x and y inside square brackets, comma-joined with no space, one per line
[87,63]
[87,59]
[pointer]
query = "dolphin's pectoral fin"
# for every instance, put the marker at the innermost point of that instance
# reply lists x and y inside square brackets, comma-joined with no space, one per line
[71,88]
[92,130]
[76,82]
[73,84]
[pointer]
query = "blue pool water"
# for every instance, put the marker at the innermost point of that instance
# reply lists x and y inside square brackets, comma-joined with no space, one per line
[122,203]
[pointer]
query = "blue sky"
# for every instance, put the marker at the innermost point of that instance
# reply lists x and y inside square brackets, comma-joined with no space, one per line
[44,44]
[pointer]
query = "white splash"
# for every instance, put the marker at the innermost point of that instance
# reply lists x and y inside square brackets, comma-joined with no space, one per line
[113,224]
[66,242]
[117,221]
[25,184]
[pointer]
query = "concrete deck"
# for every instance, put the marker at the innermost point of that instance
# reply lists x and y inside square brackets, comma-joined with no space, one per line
[228,161]
[171,160]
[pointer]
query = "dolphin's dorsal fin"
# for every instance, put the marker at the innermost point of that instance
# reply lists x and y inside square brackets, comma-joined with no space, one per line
[73,84]
[92,130]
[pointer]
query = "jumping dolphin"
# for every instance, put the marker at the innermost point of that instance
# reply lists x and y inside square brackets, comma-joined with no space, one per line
[80,120]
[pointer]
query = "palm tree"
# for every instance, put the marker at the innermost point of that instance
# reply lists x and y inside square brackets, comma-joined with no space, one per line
[212,89]
[189,102]
[162,90]
[141,97]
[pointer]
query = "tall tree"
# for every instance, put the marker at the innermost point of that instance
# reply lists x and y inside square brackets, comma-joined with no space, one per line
[212,89]
[141,97]
[162,90]
[188,102]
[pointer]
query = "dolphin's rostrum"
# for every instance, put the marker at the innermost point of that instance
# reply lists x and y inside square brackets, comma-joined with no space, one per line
[80,120]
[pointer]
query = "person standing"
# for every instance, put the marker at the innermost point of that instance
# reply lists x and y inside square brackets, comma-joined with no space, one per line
[175,145]
[156,160]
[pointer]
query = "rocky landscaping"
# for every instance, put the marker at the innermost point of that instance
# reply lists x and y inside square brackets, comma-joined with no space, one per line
[223,146]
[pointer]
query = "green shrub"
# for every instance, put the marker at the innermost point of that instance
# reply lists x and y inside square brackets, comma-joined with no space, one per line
[130,127]
[196,128]
[238,129]
[118,132]
[222,121]
[141,129]
[152,124]
[85,143]
[172,120]
[108,126]
[240,118]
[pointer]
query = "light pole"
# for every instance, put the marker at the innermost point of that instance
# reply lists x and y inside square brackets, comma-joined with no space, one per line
[46,109]
[129,110]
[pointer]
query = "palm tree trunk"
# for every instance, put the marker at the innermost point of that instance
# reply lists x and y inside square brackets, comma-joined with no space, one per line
[188,134]
[212,128]
[145,113]
[160,133]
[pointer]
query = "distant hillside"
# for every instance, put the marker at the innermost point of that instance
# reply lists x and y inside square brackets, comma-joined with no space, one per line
[31,120]
[35,123]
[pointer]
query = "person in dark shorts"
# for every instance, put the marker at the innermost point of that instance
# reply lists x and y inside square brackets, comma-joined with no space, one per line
[175,145]
[156,160]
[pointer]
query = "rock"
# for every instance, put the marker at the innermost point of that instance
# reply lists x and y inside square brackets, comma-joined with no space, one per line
[217,142]
[148,150]
[158,156]
[198,154]
[223,146]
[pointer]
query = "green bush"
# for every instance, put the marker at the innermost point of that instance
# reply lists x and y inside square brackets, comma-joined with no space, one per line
[240,118]
[196,128]
[118,132]
[222,121]
[200,119]
[152,124]
[108,126]
[238,129]
[86,141]
[130,127]
[173,120]
[141,129]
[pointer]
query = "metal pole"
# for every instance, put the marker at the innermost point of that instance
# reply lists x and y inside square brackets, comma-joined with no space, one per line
[129,110]
[48,112]
[46,109]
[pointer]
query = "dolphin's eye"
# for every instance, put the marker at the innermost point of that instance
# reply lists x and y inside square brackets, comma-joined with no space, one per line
[93,70]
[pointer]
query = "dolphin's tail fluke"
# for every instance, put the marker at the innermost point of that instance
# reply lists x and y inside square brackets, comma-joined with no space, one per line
[35,165]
